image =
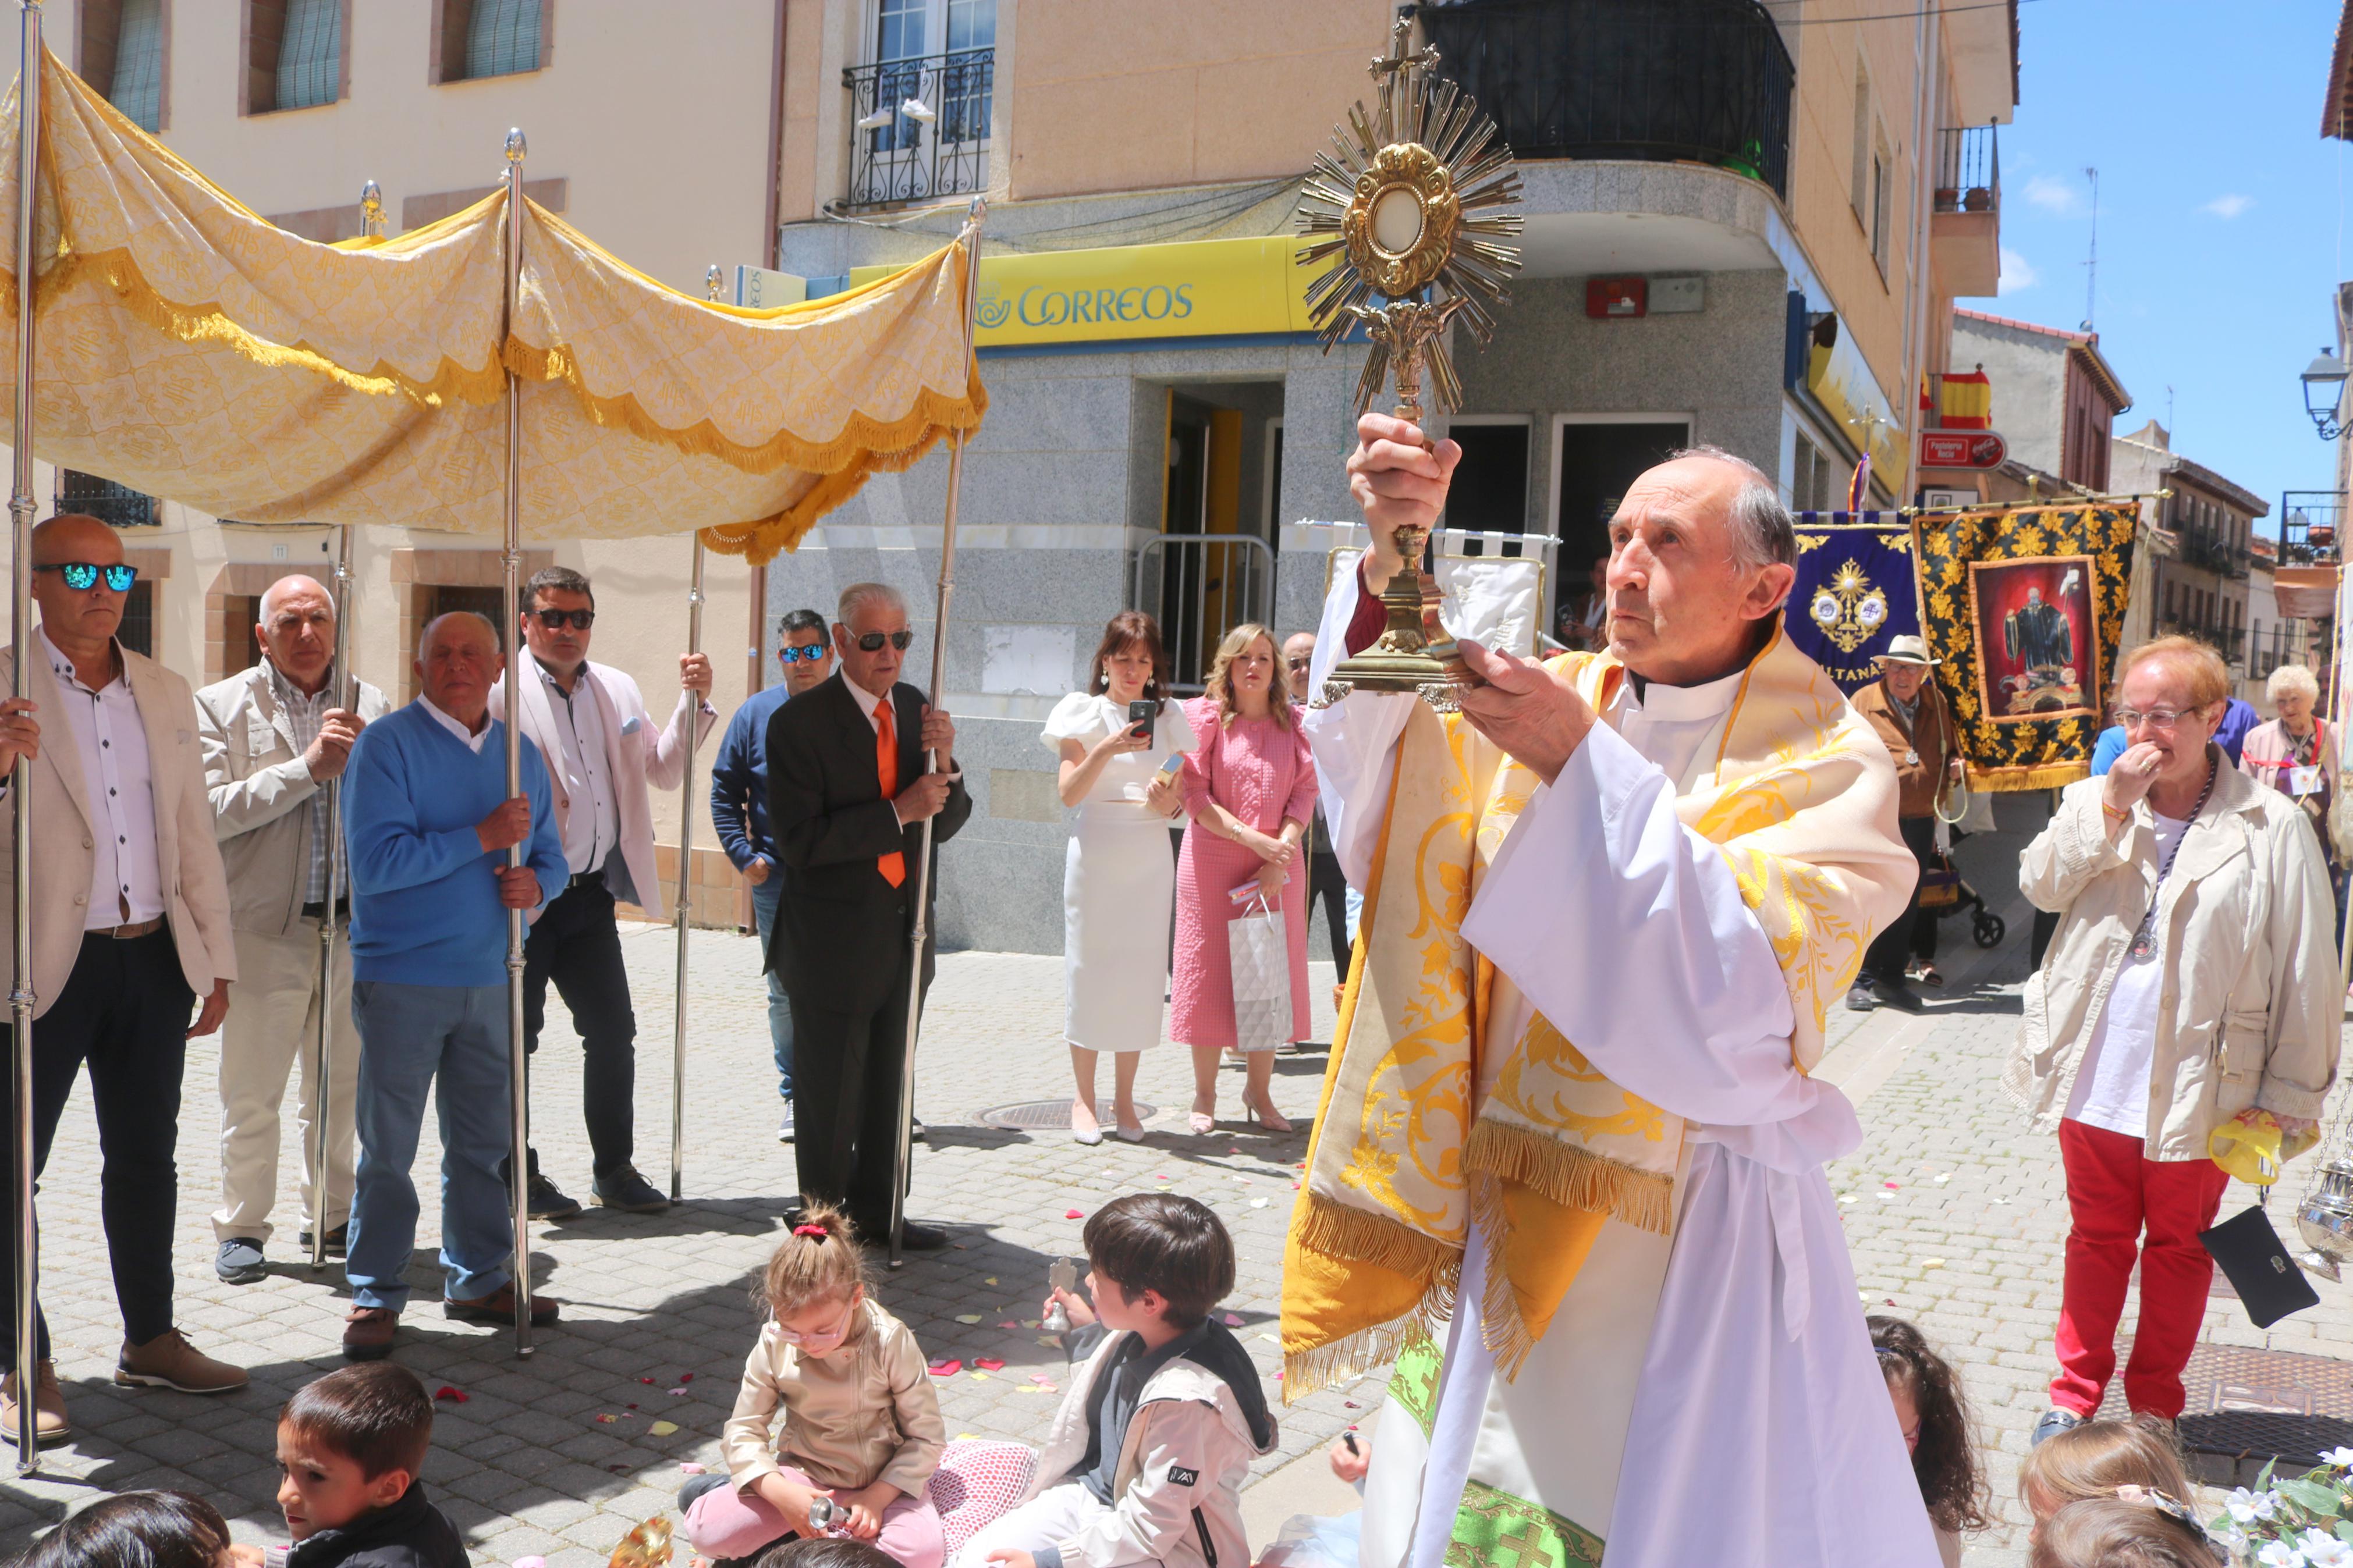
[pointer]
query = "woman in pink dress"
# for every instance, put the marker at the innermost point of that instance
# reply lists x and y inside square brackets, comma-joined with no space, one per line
[1249,789]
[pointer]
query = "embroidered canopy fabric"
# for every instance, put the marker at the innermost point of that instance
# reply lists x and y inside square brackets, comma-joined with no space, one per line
[187,348]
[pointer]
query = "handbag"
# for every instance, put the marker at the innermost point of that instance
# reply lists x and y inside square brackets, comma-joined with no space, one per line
[2265,1279]
[1258,947]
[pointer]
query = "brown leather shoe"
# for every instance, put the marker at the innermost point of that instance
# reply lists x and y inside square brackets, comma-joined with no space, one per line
[169,1361]
[50,1423]
[367,1332]
[499,1306]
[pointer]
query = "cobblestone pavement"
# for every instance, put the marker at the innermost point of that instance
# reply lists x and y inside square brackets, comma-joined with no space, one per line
[1955,1215]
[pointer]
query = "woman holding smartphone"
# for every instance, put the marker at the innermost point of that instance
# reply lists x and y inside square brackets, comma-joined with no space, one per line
[1117,879]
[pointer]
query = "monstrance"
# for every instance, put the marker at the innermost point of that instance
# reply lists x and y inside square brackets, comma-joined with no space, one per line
[1407,201]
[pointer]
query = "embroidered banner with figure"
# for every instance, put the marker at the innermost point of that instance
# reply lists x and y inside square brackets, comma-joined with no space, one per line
[1854,591]
[2024,608]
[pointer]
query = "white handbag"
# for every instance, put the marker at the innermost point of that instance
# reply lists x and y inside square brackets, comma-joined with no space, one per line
[1258,944]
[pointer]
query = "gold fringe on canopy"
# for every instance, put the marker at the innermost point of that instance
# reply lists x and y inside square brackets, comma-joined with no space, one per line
[187,348]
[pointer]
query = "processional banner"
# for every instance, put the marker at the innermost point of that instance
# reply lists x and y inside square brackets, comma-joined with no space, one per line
[1854,591]
[190,349]
[2024,608]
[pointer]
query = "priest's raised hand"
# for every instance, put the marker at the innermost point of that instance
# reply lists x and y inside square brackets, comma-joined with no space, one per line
[1535,715]
[1400,482]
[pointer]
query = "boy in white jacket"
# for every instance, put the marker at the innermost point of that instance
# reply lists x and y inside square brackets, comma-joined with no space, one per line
[1146,1459]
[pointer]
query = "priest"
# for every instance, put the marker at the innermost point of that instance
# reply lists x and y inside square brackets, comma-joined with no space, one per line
[1568,1170]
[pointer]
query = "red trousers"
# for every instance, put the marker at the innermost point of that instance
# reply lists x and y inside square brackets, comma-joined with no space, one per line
[2113,1196]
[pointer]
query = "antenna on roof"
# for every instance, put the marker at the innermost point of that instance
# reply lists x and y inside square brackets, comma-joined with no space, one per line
[2091,263]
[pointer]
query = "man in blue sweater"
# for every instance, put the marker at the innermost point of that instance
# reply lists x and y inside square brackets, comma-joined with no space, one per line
[739,808]
[429,823]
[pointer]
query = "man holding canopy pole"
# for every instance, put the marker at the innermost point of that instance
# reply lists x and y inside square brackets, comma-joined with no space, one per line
[1569,1171]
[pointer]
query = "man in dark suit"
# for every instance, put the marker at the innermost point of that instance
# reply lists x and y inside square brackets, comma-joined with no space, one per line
[846,798]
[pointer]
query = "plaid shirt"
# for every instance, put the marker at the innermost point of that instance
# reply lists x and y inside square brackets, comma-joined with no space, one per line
[303,716]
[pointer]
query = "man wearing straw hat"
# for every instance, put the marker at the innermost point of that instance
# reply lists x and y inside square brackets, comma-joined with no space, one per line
[1909,713]
[133,928]
[272,737]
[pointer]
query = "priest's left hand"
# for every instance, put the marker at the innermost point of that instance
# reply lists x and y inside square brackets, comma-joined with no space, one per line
[1531,713]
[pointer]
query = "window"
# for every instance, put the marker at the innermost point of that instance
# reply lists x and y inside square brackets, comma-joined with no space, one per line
[117,505]
[1861,192]
[294,54]
[910,30]
[490,38]
[120,52]
[137,628]
[1490,489]
[1882,199]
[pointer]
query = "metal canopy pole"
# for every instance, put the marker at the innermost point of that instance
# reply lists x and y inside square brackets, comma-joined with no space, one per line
[901,1167]
[347,697]
[511,563]
[20,780]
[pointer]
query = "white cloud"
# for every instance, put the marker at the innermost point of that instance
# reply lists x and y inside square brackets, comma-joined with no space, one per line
[2055,194]
[2227,207]
[2017,272]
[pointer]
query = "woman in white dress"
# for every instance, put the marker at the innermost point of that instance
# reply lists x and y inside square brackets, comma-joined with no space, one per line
[1119,881]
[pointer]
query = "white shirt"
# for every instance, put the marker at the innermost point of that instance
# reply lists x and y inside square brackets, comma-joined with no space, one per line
[867,703]
[473,738]
[1668,723]
[2111,1086]
[589,833]
[126,883]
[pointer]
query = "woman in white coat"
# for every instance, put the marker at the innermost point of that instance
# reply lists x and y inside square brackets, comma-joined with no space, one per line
[1119,880]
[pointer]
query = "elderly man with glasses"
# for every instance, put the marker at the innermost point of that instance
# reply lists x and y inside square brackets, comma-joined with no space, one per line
[848,794]
[272,738]
[591,726]
[131,927]
[739,809]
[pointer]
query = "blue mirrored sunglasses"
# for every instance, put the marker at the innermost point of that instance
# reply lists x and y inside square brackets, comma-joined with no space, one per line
[813,653]
[81,575]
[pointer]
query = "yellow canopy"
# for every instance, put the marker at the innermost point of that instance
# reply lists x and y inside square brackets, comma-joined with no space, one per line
[186,347]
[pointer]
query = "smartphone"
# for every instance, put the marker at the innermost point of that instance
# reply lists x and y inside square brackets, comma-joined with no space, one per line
[1174,765]
[1140,715]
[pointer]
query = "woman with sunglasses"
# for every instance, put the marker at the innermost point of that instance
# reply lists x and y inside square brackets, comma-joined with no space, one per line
[2191,985]
[1250,788]
[1117,879]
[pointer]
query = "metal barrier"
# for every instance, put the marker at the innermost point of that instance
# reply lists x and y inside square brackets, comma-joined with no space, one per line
[1196,586]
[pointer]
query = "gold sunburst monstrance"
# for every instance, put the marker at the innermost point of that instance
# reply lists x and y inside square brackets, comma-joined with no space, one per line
[1409,202]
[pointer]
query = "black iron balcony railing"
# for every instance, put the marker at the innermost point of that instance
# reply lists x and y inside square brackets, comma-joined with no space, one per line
[2228,641]
[1968,171]
[2207,552]
[918,127]
[2308,524]
[1661,80]
[109,502]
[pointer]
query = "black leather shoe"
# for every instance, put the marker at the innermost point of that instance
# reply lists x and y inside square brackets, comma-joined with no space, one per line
[629,1192]
[336,1239]
[549,1201]
[1896,994]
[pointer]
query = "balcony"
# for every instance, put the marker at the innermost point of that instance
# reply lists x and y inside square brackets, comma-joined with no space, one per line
[2205,551]
[1965,232]
[2308,524]
[118,505]
[2228,641]
[918,127]
[1654,80]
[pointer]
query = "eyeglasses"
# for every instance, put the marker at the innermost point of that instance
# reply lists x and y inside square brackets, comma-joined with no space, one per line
[815,653]
[81,575]
[872,641]
[554,620]
[1297,663]
[2161,720]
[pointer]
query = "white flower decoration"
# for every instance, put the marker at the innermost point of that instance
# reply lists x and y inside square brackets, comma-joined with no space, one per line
[2280,1554]
[2246,1506]
[2338,1458]
[2323,1550]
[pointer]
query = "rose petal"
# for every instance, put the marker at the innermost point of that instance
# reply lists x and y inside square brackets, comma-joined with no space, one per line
[678,1391]
[1258,1202]
[1039,1377]
[967,1317]
[531,1562]
[1233,1320]
[948,1367]
[662,1428]
[454,1395]
[609,1419]
[1074,1214]
[689,1467]
[645,1380]
[686,1377]
[989,1364]
[1009,1323]
[992,1280]
[1890,1186]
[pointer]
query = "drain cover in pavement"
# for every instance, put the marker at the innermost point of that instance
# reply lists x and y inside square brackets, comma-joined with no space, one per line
[1042,1115]
[2249,1408]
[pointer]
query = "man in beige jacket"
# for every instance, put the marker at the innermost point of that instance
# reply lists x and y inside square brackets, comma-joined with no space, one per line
[131,928]
[272,738]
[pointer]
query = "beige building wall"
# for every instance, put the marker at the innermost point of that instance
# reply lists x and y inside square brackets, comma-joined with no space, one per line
[655,123]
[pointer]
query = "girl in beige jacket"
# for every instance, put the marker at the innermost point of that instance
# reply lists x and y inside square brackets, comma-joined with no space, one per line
[2192,980]
[861,1425]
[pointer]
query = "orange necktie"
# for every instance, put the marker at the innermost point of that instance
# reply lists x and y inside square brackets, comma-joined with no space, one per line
[892,865]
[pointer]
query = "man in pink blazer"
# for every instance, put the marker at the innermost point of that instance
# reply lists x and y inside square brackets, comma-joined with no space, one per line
[602,751]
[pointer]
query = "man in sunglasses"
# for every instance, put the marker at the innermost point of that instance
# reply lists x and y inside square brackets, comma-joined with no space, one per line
[272,737]
[131,927]
[590,723]
[848,790]
[739,809]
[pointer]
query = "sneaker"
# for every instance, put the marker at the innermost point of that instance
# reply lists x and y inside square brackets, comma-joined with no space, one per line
[368,1332]
[1859,999]
[785,1128]
[169,1361]
[50,1423]
[629,1192]
[239,1261]
[2054,1422]
[337,1241]
[499,1306]
[548,1200]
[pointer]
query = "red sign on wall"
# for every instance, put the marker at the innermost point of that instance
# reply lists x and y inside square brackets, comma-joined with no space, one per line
[1961,449]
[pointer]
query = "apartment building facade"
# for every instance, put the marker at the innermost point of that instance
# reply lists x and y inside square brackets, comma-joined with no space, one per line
[2203,590]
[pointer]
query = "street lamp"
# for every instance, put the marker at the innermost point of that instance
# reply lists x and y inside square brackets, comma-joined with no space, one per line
[2324,393]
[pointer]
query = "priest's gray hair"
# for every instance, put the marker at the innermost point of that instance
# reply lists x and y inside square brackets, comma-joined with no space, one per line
[1763,532]
[858,596]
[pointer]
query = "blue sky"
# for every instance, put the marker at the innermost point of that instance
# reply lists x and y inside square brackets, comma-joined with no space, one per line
[2221,216]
